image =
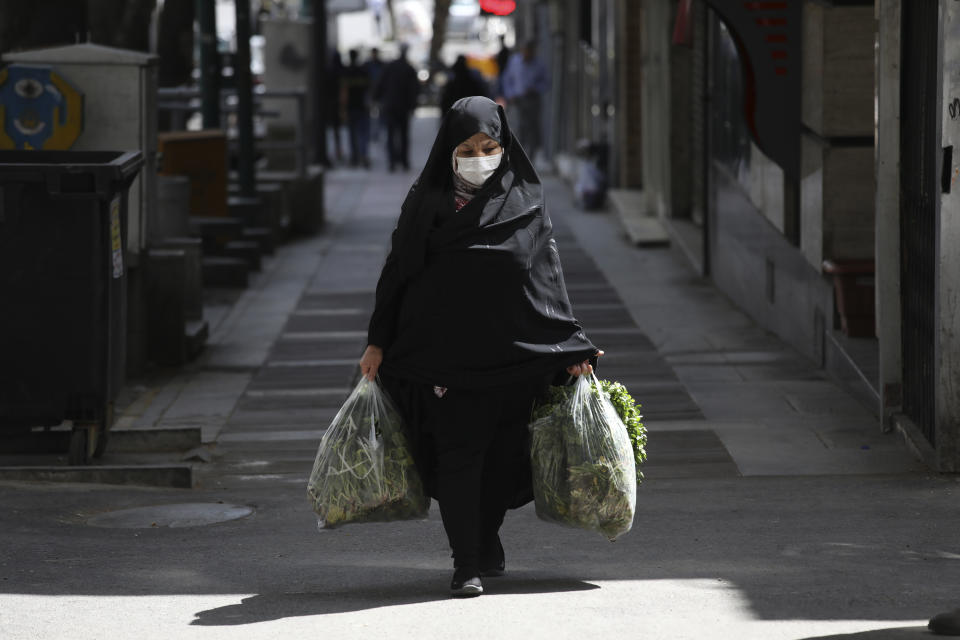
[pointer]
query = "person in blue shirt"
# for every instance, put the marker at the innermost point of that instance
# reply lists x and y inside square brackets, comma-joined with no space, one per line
[374,67]
[524,82]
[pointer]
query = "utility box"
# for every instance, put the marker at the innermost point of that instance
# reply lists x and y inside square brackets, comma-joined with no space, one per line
[120,94]
[202,157]
[288,64]
[63,283]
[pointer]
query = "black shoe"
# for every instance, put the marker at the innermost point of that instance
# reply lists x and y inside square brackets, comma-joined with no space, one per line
[492,561]
[946,624]
[466,583]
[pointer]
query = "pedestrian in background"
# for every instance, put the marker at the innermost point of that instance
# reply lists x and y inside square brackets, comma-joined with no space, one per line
[397,95]
[331,101]
[355,101]
[524,82]
[374,67]
[462,81]
[472,321]
[503,59]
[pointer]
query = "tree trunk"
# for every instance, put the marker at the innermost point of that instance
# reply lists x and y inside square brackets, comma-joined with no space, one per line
[393,20]
[28,25]
[441,10]
[121,23]
[175,43]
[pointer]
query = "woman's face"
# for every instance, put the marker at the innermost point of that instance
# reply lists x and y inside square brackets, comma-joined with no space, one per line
[479,144]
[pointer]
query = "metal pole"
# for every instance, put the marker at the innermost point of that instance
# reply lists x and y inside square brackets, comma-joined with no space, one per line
[319,8]
[241,71]
[206,16]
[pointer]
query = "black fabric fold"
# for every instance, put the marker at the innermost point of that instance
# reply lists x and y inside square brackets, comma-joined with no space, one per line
[475,298]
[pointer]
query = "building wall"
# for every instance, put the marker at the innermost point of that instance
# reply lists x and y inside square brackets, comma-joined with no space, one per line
[698,115]
[754,253]
[657,116]
[948,260]
[837,216]
[887,205]
[629,111]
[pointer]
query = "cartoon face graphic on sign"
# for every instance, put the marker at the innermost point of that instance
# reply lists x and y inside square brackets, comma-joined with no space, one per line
[38,109]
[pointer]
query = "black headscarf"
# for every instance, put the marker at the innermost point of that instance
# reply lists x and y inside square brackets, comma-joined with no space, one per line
[475,298]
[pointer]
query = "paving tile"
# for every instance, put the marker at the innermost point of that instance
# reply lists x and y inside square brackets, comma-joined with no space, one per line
[689,453]
[245,417]
[834,404]
[338,300]
[247,403]
[272,435]
[302,377]
[316,349]
[323,323]
[700,372]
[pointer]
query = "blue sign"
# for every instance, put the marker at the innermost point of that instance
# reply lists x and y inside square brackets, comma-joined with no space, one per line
[38,109]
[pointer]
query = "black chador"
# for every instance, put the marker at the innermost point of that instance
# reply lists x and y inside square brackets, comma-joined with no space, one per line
[474,319]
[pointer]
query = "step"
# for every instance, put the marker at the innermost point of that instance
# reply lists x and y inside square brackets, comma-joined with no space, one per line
[216,231]
[275,212]
[196,333]
[248,250]
[644,228]
[250,210]
[263,236]
[225,272]
[163,475]
[154,440]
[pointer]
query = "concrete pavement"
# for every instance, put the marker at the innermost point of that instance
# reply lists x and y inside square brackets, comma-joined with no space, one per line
[773,508]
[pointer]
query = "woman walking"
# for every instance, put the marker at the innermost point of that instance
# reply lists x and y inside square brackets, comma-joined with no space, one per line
[472,321]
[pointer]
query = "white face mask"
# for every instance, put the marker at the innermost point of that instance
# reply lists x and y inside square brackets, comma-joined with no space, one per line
[476,170]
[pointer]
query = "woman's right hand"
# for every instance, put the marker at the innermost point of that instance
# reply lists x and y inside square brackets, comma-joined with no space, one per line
[370,362]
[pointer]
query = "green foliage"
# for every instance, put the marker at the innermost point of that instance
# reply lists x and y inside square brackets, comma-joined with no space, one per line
[364,471]
[627,408]
[629,412]
[583,474]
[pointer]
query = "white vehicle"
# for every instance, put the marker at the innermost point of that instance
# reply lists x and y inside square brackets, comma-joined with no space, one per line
[464,20]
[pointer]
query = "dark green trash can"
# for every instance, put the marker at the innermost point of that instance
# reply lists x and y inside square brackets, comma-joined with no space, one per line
[62,291]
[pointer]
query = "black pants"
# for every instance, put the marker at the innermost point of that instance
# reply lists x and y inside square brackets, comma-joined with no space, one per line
[358,120]
[482,458]
[398,137]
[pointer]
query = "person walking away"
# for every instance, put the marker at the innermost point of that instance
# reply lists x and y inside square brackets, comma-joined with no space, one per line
[472,321]
[462,82]
[355,90]
[503,58]
[331,101]
[524,82]
[397,94]
[374,67]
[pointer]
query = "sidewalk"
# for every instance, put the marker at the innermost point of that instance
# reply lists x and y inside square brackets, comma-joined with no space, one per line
[774,411]
[773,506]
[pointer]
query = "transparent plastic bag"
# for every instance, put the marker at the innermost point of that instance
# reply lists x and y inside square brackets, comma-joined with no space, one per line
[584,473]
[364,470]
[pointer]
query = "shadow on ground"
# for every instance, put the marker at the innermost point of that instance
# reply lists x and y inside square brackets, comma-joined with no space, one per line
[275,606]
[900,633]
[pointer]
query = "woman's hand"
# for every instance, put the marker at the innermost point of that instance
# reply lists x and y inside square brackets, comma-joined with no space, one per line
[583,368]
[370,362]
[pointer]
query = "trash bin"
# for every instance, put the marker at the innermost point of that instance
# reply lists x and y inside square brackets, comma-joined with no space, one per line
[63,291]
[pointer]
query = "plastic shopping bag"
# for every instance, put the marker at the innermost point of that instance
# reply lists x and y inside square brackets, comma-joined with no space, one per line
[584,473]
[364,470]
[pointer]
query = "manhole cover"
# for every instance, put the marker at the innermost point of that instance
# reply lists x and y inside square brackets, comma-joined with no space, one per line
[191,514]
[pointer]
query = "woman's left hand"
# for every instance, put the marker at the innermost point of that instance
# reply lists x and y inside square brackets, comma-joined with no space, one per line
[583,368]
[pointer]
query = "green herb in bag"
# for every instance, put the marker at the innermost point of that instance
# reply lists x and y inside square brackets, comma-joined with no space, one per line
[626,407]
[583,460]
[364,471]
